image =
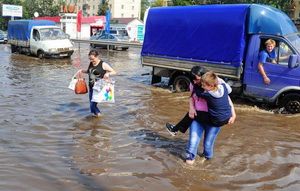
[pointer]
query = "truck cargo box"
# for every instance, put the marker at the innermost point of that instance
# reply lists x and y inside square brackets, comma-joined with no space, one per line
[211,33]
[21,29]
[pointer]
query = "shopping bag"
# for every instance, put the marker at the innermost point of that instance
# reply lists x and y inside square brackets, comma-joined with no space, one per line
[80,86]
[73,83]
[104,91]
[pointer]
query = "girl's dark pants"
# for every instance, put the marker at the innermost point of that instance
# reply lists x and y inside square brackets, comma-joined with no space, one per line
[183,125]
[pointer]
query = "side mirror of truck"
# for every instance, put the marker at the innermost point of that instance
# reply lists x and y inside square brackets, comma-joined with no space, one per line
[293,61]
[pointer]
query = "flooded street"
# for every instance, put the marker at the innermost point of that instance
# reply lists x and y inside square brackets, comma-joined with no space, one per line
[49,141]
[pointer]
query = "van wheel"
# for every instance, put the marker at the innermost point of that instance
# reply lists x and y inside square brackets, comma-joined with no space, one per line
[291,102]
[41,54]
[181,84]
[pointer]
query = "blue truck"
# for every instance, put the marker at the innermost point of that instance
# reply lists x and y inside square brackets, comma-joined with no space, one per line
[226,39]
[41,38]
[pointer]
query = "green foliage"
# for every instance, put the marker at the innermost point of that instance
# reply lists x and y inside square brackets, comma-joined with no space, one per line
[144,5]
[43,7]
[284,5]
[182,2]
[157,3]
[103,6]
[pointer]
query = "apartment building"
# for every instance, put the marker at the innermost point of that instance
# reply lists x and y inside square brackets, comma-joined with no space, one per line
[125,8]
[118,8]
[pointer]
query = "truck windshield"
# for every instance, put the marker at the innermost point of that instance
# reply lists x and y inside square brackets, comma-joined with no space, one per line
[52,34]
[295,40]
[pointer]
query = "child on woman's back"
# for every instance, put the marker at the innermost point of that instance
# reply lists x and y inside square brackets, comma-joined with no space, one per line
[217,98]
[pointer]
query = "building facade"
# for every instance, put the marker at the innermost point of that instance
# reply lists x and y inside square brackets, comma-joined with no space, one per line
[118,8]
[125,8]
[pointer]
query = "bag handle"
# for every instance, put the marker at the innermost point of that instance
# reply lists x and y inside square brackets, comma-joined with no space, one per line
[78,75]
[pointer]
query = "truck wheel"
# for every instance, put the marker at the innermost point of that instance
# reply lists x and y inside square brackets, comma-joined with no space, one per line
[155,79]
[291,102]
[13,48]
[181,84]
[40,54]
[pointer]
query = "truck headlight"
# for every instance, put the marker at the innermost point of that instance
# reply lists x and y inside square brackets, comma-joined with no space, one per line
[52,50]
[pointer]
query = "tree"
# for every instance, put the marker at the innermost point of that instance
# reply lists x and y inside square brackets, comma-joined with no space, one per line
[286,6]
[157,3]
[43,7]
[103,7]
[144,6]
[182,2]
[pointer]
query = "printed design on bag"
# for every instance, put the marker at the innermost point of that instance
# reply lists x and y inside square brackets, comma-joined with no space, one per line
[103,91]
[108,94]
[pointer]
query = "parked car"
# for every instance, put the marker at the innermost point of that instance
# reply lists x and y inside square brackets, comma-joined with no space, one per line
[121,32]
[110,38]
[3,37]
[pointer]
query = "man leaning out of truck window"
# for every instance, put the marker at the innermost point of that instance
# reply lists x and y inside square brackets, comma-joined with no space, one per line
[267,55]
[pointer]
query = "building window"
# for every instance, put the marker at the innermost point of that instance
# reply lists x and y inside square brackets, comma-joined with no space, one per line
[93,7]
[122,6]
[132,16]
[122,15]
[132,7]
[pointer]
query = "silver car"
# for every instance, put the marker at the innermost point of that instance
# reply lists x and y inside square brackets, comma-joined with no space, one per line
[3,37]
[111,38]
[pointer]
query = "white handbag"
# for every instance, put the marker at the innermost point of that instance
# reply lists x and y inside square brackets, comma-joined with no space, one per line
[73,83]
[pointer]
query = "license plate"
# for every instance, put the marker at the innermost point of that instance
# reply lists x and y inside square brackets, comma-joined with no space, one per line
[63,54]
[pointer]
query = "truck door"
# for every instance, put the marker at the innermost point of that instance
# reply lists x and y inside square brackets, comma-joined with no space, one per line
[34,41]
[279,73]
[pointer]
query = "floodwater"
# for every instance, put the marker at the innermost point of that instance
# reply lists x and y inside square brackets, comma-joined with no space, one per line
[49,141]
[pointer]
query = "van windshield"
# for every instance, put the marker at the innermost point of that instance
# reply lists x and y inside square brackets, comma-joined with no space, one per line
[295,40]
[52,34]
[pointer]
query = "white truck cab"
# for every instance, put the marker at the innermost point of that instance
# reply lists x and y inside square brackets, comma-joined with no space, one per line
[50,41]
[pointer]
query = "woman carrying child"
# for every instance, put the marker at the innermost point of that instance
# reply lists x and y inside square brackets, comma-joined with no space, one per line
[220,111]
[198,116]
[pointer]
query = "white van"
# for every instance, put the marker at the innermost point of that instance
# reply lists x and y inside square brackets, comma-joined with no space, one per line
[39,37]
